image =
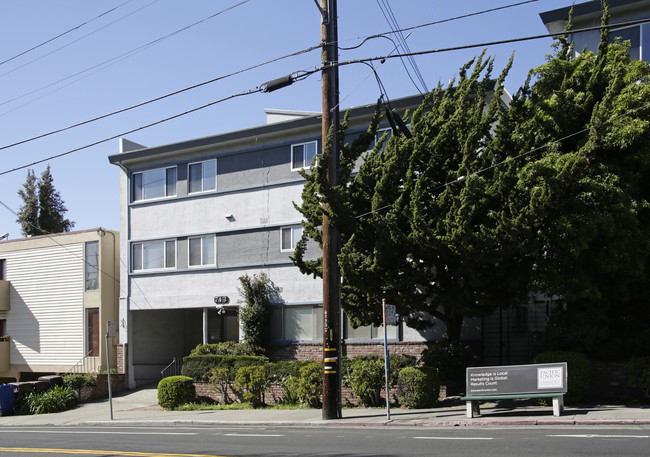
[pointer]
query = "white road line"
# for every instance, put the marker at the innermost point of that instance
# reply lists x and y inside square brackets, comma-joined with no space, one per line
[80,432]
[601,436]
[451,438]
[252,435]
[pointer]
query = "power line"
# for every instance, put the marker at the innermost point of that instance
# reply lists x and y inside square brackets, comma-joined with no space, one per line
[127,54]
[138,105]
[492,43]
[64,33]
[78,39]
[56,156]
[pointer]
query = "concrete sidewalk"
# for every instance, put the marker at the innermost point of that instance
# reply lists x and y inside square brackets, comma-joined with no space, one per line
[140,407]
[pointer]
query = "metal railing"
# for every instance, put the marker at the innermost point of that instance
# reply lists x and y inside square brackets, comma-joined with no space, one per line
[173,369]
[87,364]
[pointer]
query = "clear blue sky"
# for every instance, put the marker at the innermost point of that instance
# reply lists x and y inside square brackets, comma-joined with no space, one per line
[39,92]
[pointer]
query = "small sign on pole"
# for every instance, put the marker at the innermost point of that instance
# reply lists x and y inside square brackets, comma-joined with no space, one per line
[391,315]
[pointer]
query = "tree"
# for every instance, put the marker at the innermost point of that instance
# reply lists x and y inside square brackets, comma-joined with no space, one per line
[430,241]
[255,316]
[43,209]
[28,213]
[579,194]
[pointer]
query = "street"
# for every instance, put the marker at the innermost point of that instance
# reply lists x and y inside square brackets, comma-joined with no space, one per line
[185,441]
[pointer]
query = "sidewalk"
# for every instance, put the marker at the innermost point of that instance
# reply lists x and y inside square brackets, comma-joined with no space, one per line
[140,407]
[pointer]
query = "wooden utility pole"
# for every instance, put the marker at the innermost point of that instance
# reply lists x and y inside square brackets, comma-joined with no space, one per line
[331,235]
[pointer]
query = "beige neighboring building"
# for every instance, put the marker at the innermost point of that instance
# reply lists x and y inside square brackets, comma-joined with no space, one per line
[57,294]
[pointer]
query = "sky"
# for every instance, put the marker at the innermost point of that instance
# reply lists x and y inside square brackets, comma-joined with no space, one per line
[65,62]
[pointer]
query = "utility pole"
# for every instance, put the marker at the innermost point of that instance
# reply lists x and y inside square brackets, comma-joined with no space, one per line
[331,235]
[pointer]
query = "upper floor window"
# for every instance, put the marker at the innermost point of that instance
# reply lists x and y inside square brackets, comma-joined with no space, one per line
[289,237]
[92,265]
[150,184]
[202,251]
[3,267]
[302,155]
[151,255]
[203,176]
[380,133]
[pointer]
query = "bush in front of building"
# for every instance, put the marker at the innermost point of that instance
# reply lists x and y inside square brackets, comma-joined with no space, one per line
[227,348]
[78,380]
[579,373]
[450,360]
[251,383]
[365,375]
[199,367]
[637,372]
[174,391]
[306,387]
[53,400]
[418,387]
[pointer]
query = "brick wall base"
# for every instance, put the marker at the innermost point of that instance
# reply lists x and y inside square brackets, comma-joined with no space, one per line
[100,389]
[314,351]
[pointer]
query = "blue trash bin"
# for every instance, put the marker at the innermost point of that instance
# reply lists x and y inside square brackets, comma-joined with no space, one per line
[6,400]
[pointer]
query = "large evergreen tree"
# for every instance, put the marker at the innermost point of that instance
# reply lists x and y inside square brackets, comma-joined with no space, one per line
[28,213]
[43,210]
[430,241]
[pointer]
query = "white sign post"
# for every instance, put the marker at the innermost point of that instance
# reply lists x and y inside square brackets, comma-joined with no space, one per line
[110,333]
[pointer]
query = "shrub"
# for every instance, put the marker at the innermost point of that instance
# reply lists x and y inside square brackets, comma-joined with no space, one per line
[579,373]
[287,375]
[226,348]
[366,377]
[450,360]
[53,400]
[251,383]
[174,391]
[199,367]
[419,387]
[78,380]
[637,372]
[220,379]
[308,386]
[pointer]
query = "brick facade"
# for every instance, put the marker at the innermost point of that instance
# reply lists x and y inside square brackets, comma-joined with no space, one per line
[100,389]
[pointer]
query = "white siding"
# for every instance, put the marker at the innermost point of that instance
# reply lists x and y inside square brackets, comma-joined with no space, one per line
[46,317]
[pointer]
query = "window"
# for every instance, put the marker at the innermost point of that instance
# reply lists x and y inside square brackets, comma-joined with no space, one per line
[92,265]
[92,332]
[203,176]
[289,237]
[202,251]
[379,134]
[3,269]
[370,332]
[151,255]
[151,184]
[631,34]
[297,323]
[3,327]
[303,154]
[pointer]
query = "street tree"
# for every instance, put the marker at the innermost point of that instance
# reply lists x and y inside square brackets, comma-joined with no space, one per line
[417,227]
[28,212]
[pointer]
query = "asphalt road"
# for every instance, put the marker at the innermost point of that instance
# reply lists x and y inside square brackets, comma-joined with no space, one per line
[185,441]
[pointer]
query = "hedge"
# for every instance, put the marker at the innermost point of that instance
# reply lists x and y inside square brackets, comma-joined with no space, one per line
[579,373]
[200,367]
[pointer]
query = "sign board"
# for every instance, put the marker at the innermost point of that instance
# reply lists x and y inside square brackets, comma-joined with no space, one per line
[222,299]
[517,379]
[391,315]
[110,329]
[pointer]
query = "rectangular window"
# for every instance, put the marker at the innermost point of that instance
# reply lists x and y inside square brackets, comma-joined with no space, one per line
[152,255]
[152,184]
[297,323]
[302,155]
[92,332]
[370,332]
[289,237]
[3,269]
[92,265]
[631,34]
[203,176]
[380,133]
[202,251]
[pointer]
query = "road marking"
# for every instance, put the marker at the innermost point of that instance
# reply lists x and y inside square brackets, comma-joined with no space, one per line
[601,436]
[99,452]
[74,432]
[252,435]
[450,438]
